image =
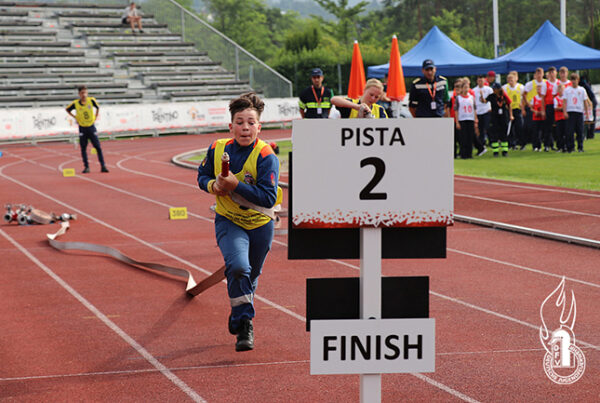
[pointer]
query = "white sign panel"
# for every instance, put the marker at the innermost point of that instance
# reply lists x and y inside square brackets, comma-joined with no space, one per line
[370,346]
[372,172]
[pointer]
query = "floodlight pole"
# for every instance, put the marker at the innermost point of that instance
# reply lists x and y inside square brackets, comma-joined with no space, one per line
[563,16]
[496,30]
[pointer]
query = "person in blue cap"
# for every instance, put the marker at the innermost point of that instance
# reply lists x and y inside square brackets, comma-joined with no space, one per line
[315,101]
[428,96]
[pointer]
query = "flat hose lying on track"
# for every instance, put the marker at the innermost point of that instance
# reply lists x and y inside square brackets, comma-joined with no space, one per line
[193,288]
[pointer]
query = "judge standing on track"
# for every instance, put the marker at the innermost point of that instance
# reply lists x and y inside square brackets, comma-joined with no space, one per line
[246,200]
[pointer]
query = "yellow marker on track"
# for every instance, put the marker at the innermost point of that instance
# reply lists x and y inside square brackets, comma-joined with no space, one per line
[94,151]
[178,213]
[67,172]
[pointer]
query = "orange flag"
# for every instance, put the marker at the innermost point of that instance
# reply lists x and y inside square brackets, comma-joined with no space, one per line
[356,85]
[396,89]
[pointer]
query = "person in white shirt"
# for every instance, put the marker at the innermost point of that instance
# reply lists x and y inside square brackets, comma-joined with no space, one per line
[563,77]
[577,103]
[132,16]
[465,119]
[483,107]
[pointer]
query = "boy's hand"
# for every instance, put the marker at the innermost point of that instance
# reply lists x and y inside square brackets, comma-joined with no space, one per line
[228,183]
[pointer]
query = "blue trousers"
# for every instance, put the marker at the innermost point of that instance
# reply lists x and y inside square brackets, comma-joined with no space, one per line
[244,252]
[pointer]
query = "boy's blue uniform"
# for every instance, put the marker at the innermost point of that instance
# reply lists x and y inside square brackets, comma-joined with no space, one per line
[244,235]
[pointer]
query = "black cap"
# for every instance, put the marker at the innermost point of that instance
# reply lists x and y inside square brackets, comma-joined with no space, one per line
[428,63]
[496,86]
[316,72]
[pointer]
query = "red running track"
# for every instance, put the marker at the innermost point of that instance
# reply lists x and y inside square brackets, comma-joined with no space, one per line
[85,327]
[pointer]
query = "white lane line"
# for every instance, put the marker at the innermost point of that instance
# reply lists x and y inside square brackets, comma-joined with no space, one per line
[559,210]
[445,388]
[262,299]
[109,323]
[514,185]
[521,267]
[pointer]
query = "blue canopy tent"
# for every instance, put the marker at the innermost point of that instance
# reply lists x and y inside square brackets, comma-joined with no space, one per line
[450,59]
[550,47]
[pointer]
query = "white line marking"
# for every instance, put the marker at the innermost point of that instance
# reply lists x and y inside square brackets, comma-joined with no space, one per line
[514,185]
[560,210]
[445,388]
[109,323]
[520,267]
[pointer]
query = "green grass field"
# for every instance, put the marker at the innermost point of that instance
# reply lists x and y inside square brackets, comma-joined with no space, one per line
[575,170]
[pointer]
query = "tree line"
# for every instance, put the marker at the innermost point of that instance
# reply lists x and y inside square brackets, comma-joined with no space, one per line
[293,44]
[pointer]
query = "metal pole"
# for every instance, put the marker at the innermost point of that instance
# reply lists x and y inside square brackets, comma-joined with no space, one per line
[563,16]
[237,64]
[182,25]
[496,30]
[339,78]
[370,301]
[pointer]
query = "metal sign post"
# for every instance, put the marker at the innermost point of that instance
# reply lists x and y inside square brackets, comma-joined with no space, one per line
[370,300]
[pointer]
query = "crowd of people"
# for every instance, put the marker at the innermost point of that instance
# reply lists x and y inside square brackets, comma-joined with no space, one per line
[555,113]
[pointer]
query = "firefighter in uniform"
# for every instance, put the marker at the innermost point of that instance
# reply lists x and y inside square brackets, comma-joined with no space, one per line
[315,101]
[246,202]
[428,95]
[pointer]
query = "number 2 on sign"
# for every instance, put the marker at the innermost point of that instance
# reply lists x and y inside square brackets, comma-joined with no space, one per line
[178,213]
[366,193]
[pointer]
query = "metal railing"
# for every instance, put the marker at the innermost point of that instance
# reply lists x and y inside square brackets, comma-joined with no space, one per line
[220,48]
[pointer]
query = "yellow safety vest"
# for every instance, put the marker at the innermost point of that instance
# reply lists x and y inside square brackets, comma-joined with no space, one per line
[376,110]
[85,113]
[515,95]
[533,91]
[246,218]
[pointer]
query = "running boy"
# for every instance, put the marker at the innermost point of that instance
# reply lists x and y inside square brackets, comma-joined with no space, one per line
[85,117]
[246,201]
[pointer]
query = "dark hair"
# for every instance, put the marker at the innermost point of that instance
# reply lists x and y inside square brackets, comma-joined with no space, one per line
[551,68]
[81,88]
[246,101]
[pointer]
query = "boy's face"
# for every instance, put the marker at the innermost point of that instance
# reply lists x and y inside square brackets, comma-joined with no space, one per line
[480,81]
[511,80]
[575,82]
[245,127]
[563,75]
[560,89]
[539,75]
[83,94]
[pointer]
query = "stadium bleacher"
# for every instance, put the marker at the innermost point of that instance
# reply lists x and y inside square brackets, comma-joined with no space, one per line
[48,48]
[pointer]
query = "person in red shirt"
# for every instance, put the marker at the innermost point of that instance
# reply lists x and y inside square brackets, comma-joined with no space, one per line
[549,135]
[560,118]
[538,117]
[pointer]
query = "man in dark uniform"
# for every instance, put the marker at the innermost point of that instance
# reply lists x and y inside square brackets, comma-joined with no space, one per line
[429,94]
[315,101]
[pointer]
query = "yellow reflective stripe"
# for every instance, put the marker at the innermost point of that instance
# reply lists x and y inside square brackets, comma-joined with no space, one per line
[316,105]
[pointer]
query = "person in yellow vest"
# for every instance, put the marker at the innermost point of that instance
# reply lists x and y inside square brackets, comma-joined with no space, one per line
[364,107]
[514,90]
[247,199]
[85,117]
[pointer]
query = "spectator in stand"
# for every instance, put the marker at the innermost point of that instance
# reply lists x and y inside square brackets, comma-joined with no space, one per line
[560,117]
[465,120]
[590,122]
[132,17]
[549,134]
[315,101]
[537,86]
[577,104]
[429,94]
[500,114]
[514,90]
[483,113]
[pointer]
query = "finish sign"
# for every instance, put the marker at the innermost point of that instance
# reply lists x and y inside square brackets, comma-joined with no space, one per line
[351,173]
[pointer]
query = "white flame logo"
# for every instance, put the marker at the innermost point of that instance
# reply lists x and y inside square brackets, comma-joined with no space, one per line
[560,343]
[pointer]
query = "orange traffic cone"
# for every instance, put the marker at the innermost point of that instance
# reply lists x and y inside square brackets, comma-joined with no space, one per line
[396,89]
[356,85]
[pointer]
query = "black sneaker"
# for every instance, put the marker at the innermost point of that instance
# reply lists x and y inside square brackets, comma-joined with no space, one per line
[245,337]
[504,153]
[495,153]
[103,169]
[86,170]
